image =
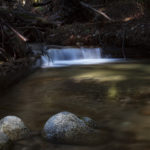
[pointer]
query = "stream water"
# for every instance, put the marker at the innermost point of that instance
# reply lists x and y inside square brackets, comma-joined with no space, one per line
[115,95]
[74,56]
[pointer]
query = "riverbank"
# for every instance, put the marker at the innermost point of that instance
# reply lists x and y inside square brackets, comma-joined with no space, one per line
[12,72]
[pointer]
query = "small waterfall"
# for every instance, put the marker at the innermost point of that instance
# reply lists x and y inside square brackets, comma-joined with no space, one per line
[72,56]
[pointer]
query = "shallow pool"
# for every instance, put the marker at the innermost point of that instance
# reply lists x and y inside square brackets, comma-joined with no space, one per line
[116,95]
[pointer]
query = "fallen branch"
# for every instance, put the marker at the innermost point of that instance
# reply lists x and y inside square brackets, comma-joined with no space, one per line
[95,11]
[17,33]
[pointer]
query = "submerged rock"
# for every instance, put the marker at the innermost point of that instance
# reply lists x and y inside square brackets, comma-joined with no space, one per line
[4,141]
[14,128]
[66,127]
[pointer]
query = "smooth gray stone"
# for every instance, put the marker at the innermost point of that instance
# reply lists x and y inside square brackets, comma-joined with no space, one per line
[14,128]
[66,127]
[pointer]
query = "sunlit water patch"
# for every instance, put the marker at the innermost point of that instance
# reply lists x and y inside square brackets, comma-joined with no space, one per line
[74,56]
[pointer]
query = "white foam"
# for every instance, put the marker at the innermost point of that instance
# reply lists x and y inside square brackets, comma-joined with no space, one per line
[74,56]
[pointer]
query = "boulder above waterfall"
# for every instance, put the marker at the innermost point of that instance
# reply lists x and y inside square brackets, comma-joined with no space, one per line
[14,128]
[66,127]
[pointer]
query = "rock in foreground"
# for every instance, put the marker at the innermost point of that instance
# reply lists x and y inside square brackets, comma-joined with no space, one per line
[66,127]
[14,128]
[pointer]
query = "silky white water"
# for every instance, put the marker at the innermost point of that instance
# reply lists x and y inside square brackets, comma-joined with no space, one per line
[74,56]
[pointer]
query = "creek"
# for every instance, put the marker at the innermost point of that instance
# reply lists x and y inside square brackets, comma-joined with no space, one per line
[74,56]
[115,94]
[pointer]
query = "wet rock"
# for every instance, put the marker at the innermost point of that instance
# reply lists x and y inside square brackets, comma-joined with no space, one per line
[14,128]
[66,127]
[4,141]
[89,122]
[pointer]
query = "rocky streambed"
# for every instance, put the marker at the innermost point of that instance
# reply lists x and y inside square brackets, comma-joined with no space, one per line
[62,128]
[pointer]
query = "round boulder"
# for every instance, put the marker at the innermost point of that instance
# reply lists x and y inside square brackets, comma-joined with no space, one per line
[4,141]
[66,127]
[14,128]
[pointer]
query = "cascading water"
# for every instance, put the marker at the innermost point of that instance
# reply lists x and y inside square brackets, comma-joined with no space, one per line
[73,56]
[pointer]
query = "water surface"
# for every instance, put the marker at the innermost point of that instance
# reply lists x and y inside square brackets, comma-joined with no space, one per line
[74,56]
[117,96]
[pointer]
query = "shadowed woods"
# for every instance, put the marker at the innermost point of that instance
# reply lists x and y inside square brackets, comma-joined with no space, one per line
[76,23]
